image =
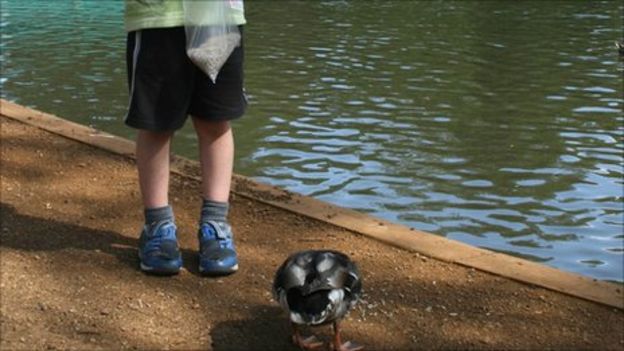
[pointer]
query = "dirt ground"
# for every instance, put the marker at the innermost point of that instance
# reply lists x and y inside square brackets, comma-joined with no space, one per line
[70,216]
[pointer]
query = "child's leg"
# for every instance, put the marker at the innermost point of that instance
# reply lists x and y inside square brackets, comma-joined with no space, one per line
[152,152]
[217,254]
[213,105]
[216,154]
[158,248]
[161,81]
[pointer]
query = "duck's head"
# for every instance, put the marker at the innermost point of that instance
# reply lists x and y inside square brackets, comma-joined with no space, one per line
[309,307]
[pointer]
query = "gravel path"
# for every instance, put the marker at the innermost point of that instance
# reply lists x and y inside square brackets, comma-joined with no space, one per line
[70,216]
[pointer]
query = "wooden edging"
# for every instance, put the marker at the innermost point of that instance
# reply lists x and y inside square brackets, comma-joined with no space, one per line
[400,236]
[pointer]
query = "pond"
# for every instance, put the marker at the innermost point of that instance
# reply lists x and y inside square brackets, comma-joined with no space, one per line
[495,123]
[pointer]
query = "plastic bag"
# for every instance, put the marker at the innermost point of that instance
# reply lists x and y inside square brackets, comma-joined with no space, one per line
[211,34]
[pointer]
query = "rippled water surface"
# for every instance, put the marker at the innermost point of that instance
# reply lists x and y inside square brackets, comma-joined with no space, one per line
[496,123]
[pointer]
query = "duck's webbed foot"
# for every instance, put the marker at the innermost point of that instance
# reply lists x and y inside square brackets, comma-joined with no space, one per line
[348,346]
[337,344]
[305,343]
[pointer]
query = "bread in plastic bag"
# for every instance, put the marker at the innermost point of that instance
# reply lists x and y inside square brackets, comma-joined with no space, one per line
[211,33]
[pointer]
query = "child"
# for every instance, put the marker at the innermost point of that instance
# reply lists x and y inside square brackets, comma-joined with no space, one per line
[165,88]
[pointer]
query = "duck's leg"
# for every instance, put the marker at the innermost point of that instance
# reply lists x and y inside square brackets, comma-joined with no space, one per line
[305,343]
[347,346]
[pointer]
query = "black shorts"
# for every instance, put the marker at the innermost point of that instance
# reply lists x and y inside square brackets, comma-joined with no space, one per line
[166,87]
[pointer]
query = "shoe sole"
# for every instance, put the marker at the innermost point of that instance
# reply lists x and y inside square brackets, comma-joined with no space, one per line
[152,270]
[225,271]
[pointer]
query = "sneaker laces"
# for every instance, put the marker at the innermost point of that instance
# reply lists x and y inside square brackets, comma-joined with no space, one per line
[212,230]
[161,238]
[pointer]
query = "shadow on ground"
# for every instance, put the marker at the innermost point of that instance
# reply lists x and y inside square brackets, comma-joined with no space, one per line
[268,324]
[32,234]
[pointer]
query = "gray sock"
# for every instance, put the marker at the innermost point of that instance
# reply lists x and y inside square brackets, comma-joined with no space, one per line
[214,211]
[158,214]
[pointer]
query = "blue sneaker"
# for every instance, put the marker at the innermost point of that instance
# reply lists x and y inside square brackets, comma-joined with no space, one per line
[217,255]
[158,249]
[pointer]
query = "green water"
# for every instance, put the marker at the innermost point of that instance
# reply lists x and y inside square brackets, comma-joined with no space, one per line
[496,123]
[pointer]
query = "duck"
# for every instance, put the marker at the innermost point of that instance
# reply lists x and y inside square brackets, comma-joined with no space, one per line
[318,287]
[620,46]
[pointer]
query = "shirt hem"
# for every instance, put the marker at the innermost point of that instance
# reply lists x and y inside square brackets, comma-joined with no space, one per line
[159,23]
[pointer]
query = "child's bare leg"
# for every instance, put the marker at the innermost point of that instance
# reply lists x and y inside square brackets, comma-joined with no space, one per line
[216,155]
[152,153]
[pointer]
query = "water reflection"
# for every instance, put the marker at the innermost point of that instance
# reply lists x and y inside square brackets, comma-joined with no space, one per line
[469,121]
[65,57]
[496,123]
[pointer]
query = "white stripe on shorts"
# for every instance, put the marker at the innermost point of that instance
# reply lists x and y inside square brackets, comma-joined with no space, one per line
[135,57]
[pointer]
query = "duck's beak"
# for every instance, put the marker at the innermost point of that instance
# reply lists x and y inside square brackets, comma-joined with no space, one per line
[312,287]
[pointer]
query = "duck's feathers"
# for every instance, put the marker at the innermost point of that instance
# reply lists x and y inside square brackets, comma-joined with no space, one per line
[314,270]
[317,286]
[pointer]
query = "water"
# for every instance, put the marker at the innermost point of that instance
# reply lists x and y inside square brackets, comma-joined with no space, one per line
[495,123]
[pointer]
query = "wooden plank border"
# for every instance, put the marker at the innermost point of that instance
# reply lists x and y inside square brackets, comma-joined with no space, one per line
[400,236]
